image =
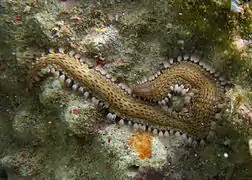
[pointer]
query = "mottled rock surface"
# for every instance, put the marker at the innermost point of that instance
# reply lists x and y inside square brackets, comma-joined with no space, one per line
[50,132]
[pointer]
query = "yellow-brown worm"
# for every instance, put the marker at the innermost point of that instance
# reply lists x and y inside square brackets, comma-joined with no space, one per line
[203,104]
[196,123]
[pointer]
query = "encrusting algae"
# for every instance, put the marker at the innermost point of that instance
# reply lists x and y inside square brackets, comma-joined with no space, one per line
[142,144]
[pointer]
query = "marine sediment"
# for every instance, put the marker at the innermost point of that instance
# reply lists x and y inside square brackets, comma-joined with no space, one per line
[197,86]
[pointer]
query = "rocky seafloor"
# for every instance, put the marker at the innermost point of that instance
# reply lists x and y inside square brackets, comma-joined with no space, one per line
[51,132]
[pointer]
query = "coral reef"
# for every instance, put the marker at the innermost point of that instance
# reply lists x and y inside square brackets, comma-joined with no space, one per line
[85,123]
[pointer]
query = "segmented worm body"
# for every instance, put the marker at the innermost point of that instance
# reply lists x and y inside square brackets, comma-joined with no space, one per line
[195,122]
[207,94]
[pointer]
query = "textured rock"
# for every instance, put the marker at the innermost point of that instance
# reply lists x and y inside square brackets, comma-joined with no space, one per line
[130,39]
[117,140]
[81,118]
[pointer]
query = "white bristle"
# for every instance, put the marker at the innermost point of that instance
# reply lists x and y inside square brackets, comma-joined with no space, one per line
[101,104]
[201,63]
[177,134]
[51,50]
[144,79]
[212,70]
[98,68]
[160,134]
[68,81]
[108,76]
[110,116]
[176,88]
[179,89]
[135,126]
[155,131]
[171,88]
[143,127]
[96,102]
[123,86]
[169,95]
[71,53]
[81,89]
[81,60]
[129,91]
[184,137]
[183,92]
[103,72]
[129,123]
[163,102]
[62,77]
[194,59]
[166,134]
[186,57]
[114,115]
[171,132]
[166,64]
[166,99]
[77,56]
[93,99]
[171,61]
[75,87]
[113,79]
[207,67]
[179,58]
[121,122]
[149,129]
[61,50]
[86,94]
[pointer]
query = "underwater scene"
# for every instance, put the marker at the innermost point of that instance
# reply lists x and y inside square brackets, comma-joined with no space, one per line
[125,90]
